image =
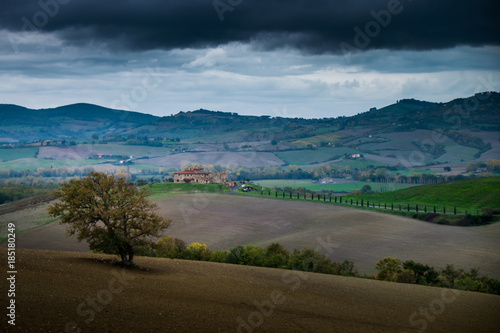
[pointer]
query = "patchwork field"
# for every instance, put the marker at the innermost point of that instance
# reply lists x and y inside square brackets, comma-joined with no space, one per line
[317,139]
[226,159]
[341,185]
[229,136]
[224,221]
[36,163]
[403,147]
[127,150]
[68,292]
[305,157]
[7,154]
[457,153]
[488,137]
[68,153]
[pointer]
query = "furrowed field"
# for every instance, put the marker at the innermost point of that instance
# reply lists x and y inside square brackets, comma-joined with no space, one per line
[223,221]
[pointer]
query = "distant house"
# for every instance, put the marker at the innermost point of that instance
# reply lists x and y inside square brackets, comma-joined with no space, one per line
[355,156]
[198,175]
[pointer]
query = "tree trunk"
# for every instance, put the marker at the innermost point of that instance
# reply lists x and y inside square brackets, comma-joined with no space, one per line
[127,260]
[131,256]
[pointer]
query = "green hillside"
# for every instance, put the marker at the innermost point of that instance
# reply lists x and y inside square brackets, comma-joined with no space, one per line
[163,190]
[17,115]
[464,194]
[75,121]
[82,120]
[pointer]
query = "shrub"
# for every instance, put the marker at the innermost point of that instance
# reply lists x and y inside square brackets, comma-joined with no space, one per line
[276,256]
[449,275]
[252,256]
[493,285]
[407,276]
[366,189]
[424,274]
[146,251]
[487,212]
[234,255]
[196,251]
[218,256]
[470,284]
[428,217]
[311,261]
[169,247]
[389,269]
[346,268]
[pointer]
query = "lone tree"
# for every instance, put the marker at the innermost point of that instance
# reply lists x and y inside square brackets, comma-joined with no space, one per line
[112,215]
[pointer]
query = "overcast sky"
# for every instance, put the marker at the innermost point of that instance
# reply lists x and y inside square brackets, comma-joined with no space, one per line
[289,58]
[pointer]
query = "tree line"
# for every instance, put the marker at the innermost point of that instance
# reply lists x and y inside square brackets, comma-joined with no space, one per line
[394,270]
[276,255]
[12,192]
[370,173]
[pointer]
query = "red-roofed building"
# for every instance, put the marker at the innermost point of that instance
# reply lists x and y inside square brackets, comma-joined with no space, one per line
[198,175]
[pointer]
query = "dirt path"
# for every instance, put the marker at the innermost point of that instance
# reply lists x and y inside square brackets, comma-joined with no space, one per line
[58,291]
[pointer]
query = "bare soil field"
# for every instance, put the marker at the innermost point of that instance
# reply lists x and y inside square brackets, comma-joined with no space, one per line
[488,137]
[19,205]
[225,221]
[83,292]
[248,159]
[385,160]
[28,218]
[69,153]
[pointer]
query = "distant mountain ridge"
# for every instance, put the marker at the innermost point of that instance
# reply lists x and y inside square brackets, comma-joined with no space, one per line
[73,121]
[479,112]
[14,114]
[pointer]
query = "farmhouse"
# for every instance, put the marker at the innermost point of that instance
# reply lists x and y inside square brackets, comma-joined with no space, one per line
[198,175]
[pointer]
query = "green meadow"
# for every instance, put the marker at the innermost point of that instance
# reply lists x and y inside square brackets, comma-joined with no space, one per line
[339,187]
[465,194]
[163,190]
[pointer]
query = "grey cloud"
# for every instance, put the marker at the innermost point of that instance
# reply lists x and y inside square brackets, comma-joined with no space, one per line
[313,26]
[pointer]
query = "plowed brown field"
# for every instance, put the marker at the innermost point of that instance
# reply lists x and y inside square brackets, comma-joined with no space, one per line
[83,292]
[224,221]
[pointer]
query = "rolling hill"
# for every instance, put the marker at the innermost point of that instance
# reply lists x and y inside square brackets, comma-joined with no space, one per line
[480,112]
[224,221]
[465,194]
[70,121]
[407,134]
[83,292]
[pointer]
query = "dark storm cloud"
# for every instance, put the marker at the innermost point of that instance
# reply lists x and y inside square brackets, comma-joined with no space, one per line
[314,26]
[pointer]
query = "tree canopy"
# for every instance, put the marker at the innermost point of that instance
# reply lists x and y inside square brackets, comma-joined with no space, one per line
[113,215]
